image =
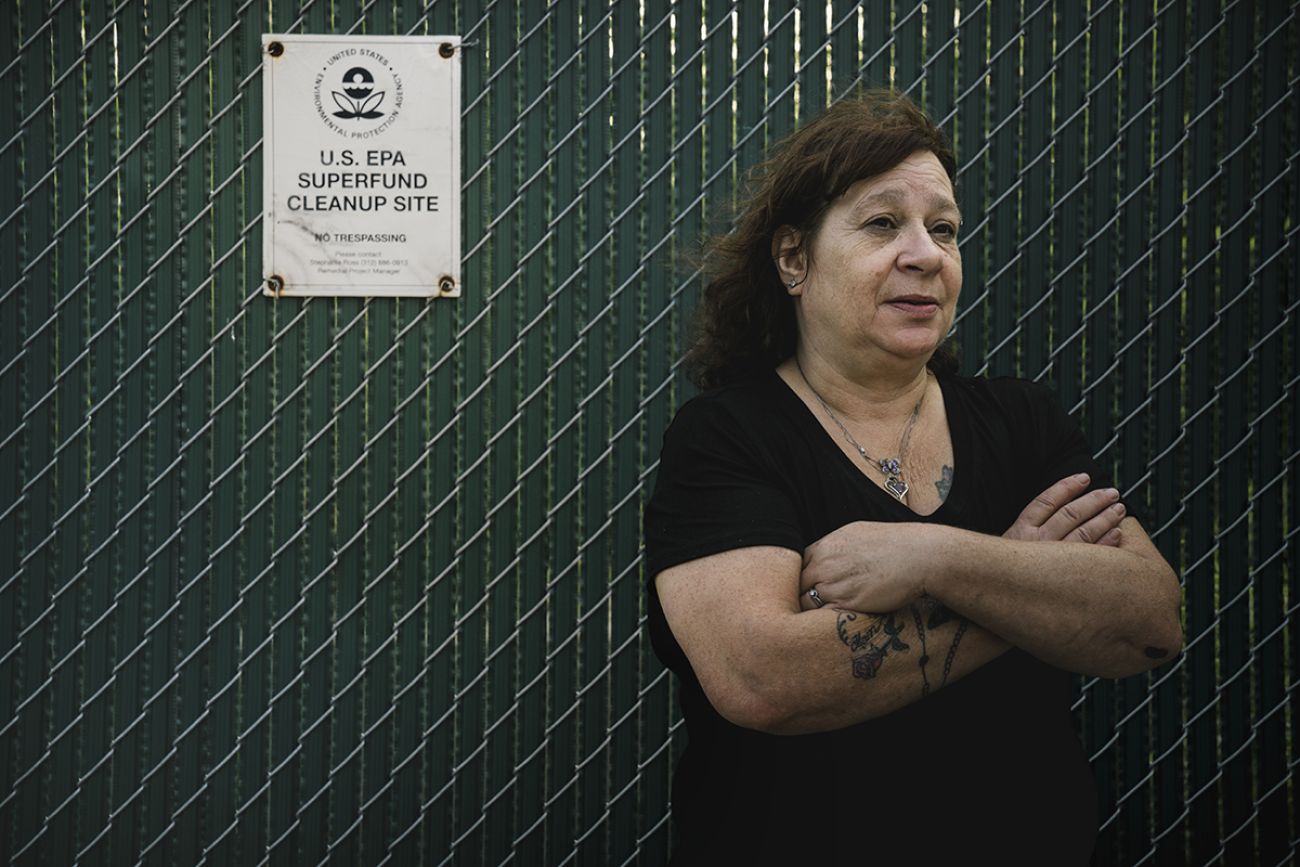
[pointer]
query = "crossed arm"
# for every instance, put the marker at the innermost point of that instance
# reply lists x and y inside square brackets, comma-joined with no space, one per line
[952,601]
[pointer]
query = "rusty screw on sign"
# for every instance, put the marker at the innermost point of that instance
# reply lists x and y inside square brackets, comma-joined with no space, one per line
[446,285]
[275,49]
[446,49]
[276,284]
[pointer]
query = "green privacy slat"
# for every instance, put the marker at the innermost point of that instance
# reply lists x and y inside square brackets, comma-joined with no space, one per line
[305,359]
[246,588]
[13,373]
[206,646]
[531,545]
[105,482]
[939,85]
[1038,291]
[750,107]
[273,503]
[969,132]
[152,399]
[560,817]
[501,429]
[23,813]
[878,45]
[1069,161]
[351,322]
[843,45]
[148,546]
[688,163]
[468,574]
[1006,265]
[361,581]
[1269,605]
[1135,282]
[441,471]
[780,33]
[1165,470]
[591,779]
[68,397]
[1236,379]
[313,364]
[377,675]
[909,56]
[1201,574]
[1096,341]
[812,94]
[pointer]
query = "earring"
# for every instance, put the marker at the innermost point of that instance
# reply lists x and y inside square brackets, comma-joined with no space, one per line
[792,283]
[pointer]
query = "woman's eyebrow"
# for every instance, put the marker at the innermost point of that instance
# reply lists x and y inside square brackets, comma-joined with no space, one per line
[894,197]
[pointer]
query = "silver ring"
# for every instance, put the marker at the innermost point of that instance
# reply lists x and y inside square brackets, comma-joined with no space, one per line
[817,600]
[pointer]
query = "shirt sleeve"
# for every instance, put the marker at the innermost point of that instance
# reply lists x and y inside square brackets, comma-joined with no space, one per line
[717,489]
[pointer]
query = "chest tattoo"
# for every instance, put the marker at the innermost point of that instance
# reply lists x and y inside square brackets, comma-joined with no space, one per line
[944,484]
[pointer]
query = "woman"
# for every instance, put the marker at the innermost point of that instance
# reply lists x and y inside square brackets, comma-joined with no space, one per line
[871,575]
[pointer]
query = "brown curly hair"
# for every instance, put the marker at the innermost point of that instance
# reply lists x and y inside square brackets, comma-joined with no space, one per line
[745,320]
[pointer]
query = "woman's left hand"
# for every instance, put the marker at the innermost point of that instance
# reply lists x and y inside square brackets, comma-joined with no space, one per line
[866,566]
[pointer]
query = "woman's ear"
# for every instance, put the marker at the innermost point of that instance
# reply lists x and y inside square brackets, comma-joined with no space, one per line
[790,258]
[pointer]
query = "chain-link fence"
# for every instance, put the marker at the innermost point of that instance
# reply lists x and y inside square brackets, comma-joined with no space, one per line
[360,581]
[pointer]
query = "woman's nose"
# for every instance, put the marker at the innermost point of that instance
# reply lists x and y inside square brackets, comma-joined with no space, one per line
[920,251]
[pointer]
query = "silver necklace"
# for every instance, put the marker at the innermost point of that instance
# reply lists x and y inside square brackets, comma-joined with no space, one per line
[892,468]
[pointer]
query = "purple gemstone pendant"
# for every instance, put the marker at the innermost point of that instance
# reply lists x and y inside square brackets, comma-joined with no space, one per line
[897,487]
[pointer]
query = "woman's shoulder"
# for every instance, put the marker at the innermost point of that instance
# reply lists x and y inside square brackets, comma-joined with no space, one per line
[740,401]
[1007,394]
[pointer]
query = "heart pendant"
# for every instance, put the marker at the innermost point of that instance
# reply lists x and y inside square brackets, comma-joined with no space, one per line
[897,487]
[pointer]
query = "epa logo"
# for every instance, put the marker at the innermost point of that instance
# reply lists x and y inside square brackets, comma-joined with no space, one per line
[357,93]
[359,98]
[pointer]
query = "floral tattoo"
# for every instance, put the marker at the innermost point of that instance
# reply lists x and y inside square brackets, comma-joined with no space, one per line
[856,631]
[872,638]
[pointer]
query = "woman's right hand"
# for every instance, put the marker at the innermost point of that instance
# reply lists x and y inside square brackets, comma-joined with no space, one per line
[1064,513]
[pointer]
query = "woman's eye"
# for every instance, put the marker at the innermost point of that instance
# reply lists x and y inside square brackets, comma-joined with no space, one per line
[881,223]
[945,230]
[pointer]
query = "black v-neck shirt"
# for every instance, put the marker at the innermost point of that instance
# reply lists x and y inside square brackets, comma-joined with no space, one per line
[987,766]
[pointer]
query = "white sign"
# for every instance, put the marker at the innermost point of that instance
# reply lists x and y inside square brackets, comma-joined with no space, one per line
[361,157]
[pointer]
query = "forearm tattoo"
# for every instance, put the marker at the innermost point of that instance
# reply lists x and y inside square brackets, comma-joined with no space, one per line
[871,638]
[939,613]
[857,631]
[952,651]
[925,657]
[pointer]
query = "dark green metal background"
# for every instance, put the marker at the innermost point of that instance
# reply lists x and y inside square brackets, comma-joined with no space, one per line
[360,582]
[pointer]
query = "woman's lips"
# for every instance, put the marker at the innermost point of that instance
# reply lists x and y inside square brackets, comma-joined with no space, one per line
[916,309]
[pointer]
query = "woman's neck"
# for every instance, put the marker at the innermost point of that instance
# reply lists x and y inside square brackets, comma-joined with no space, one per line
[883,396]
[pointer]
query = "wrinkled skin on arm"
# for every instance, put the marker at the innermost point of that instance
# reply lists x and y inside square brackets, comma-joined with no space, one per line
[886,580]
[766,665]
[1107,606]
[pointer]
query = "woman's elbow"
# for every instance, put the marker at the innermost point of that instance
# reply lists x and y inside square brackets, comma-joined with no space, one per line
[1160,642]
[757,698]
[1168,630]
[748,706]
[1166,645]
[1160,636]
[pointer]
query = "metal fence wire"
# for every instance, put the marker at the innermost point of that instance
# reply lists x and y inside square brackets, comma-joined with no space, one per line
[360,581]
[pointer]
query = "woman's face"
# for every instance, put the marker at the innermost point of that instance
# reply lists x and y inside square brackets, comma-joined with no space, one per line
[885,271]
